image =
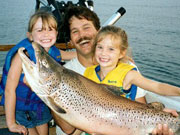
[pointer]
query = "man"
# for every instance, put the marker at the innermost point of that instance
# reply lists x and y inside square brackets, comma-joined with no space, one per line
[82,25]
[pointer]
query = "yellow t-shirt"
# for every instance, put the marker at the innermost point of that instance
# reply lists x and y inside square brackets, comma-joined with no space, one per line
[115,77]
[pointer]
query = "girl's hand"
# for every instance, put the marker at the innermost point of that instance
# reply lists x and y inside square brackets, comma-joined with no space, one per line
[172,111]
[18,129]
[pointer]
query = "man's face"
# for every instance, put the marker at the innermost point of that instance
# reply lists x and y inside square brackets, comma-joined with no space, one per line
[82,33]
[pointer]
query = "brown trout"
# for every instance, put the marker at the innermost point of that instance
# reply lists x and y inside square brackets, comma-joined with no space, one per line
[86,105]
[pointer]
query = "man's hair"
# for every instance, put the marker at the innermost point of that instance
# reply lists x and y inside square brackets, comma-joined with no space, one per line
[81,13]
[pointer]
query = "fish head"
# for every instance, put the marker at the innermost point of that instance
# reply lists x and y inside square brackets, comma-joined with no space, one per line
[41,76]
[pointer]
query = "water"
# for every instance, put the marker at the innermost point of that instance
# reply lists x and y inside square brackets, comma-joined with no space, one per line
[14,18]
[153,27]
[154,34]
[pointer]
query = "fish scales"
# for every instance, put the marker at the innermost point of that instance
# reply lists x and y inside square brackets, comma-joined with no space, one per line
[135,113]
[87,105]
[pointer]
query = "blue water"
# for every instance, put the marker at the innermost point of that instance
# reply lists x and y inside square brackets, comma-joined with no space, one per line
[153,27]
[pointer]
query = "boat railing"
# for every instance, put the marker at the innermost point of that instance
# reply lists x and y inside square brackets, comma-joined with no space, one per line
[62,46]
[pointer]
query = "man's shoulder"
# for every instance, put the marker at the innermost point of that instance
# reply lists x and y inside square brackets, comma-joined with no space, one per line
[71,63]
[75,65]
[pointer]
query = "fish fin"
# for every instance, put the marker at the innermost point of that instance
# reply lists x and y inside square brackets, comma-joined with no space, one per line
[113,89]
[55,106]
[156,105]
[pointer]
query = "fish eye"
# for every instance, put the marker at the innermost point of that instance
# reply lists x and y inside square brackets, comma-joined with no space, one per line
[45,64]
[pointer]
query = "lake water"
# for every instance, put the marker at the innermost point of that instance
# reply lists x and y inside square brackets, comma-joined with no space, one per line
[153,27]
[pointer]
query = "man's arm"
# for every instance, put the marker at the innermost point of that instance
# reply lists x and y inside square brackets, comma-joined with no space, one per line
[66,128]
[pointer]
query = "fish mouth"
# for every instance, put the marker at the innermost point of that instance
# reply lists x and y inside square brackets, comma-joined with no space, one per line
[31,71]
[25,58]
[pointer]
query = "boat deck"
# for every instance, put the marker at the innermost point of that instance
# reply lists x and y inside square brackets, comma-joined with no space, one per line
[2,118]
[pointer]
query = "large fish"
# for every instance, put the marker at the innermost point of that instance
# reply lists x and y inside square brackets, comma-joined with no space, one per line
[87,105]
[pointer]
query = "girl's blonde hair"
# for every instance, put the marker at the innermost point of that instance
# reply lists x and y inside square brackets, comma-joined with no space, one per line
[48,20]
[119,38]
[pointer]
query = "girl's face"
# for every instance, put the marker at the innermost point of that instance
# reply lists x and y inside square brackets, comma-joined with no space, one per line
[45,37]
[107,54]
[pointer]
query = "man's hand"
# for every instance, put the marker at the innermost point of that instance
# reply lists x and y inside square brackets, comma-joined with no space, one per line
[163,129]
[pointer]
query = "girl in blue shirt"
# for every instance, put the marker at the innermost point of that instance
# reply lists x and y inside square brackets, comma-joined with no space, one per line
[25,112]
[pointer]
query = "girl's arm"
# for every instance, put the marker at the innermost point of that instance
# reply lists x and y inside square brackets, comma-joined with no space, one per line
[134,77]
[10,95]
[137,79]
[68,55]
